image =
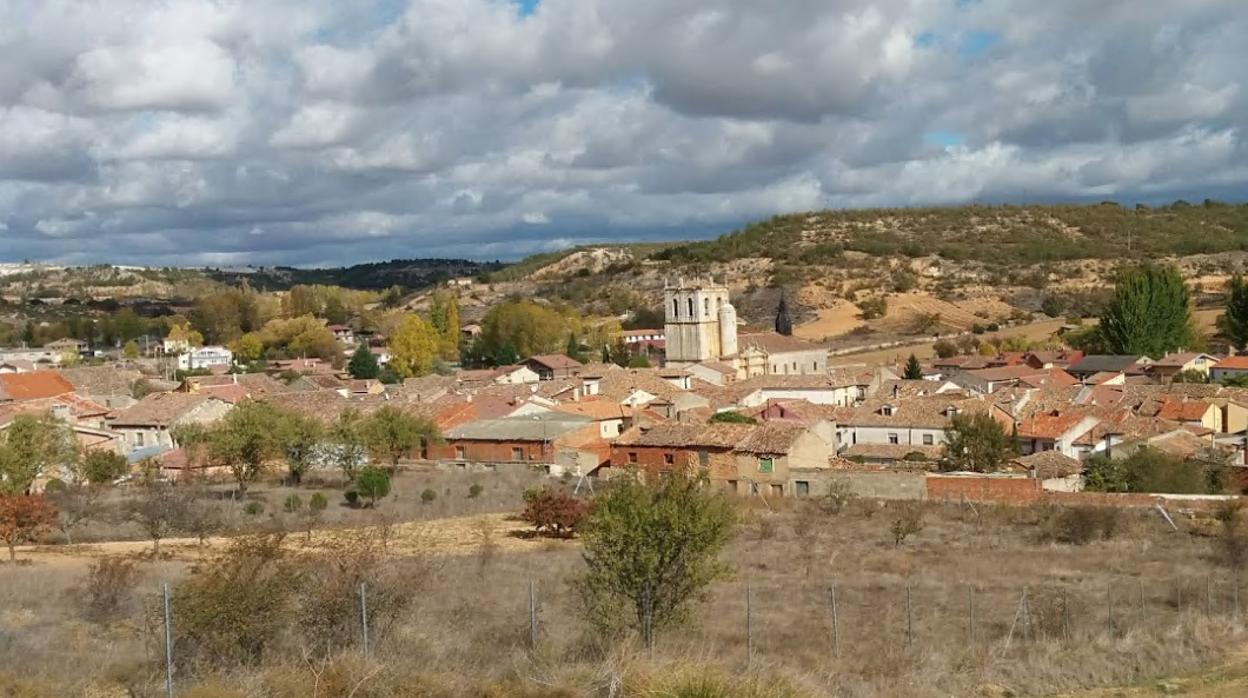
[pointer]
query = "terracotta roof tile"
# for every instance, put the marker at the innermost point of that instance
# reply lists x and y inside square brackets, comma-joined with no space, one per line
[32,386]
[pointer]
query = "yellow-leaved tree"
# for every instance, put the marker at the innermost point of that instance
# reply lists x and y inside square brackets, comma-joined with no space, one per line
[413,347]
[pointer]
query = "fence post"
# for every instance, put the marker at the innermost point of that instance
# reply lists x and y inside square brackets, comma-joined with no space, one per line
[1109,616]
[1065,619]
[749,625]
[1208,597]
[533,618]
[168,642]
[909,619]
[1142,618]
[970,614]
[1235,581]
[1028,632]
[836,631]
[364,617]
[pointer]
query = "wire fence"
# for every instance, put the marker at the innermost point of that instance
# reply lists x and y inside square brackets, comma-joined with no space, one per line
[860,621]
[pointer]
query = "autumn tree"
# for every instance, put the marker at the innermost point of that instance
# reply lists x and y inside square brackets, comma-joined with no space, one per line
[363,363]
[554,512]
[130,350]
[1150,313]
[23,518]
[413,347]
[247,348]
[976,443]
[33,444]
[75,504]
[1234,322]
[444,318]
[392,433]
[651,552]
[525,326]
[160,509]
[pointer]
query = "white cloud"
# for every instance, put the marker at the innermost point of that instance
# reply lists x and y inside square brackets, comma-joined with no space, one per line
[308,130]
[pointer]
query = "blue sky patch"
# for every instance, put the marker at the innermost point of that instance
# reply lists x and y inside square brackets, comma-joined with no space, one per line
[977,42]
[944,139]
[527,7]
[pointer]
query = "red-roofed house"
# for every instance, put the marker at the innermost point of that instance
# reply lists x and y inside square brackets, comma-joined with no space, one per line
[1230,367]
[16,387]
[1055,431]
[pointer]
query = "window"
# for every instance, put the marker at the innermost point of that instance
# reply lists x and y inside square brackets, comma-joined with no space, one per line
[517,453]
[927,440]
[886,411]
[461,453]
[669,459]
[706,307]
[801,488]
[632,457]
[691,315]
[777,490]
[892,439]
[675,308]
[704,458]
[731,486]
[138,439]
[766,464]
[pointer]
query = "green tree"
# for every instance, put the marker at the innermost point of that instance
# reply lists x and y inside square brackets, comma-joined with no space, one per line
[363,363]
[100,467]
[976,443]
[373,484]
[30,445]
[444,318]
[246,440]
[527,327]
[348,447]
[573,350]
[413,347]
[130,350]
[652,550]
[945,349]
[1149,313]
[1234,322]
[392,433]
[301,438]
[1151,470]
[247,348]
[914,371]
[732,417]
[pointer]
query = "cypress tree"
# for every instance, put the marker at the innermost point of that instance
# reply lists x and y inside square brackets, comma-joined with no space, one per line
[784,325]
[1234,322]
[1150,313]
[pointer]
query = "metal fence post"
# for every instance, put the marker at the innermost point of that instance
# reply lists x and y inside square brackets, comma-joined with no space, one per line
[533,617]
[836,632]
[1065,619]
[168,642]
[749,625]
[970,614]
[909,619]
[364,617]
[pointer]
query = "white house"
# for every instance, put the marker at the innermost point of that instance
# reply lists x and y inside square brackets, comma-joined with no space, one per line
[916,421]
[206,358]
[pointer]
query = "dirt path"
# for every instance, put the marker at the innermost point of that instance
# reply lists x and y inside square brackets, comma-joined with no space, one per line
[1228,680]
[454,536]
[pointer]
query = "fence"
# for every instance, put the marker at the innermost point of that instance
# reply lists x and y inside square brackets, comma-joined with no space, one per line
[856,622]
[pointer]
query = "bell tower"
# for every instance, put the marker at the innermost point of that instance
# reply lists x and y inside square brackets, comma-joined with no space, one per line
[692,312]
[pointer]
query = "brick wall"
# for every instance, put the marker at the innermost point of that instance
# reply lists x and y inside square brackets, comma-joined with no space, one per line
[493,451]
[1002,490]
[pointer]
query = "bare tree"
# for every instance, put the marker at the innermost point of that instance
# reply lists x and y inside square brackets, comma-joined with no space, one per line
[161,509]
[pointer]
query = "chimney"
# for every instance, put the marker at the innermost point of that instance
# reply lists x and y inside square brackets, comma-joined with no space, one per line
[235,375]
[896,391]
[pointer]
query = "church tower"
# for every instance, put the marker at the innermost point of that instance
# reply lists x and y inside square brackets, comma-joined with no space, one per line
[693,312]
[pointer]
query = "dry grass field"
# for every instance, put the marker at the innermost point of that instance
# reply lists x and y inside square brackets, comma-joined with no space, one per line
[980,601]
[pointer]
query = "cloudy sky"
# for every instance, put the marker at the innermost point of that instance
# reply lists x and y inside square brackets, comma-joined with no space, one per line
[327,132]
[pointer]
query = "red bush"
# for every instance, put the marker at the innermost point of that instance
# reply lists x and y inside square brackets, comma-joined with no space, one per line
[555,512]
[23,518]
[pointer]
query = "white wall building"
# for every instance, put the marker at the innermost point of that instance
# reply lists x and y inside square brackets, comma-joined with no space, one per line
[206,358]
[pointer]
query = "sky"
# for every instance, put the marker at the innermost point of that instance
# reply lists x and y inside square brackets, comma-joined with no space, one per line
[322,132]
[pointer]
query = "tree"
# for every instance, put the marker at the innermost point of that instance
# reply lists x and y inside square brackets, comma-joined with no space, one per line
[23,518]
[976,443]
[555,512]
[913,371]
[159,509]
[413,347]
[1149,313]
[247,348]
[99,467]
[363,363]
[392,433]
[732,417]
[246,440]
[1151,470]
[74,504]
[301,438]
[1234,322]
[652,550]
[317,504]
[130,350]
[524,326]
[444,318]
[945,349]
[33,444]
[573,350]
[349,447]
[373,484]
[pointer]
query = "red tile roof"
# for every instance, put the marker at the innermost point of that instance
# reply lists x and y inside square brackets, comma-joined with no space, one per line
[1233,362]
[33,386]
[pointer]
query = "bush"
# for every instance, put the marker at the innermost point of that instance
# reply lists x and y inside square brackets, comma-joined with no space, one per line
[373,484]
[909,521]
[555,513]
[99,467]
[293,504]
[1080,525]
[945,349]
[475,490]
[253,508]
[732,417]
[873,308]
[428,495]
[352,497]
[108,587]
[54,486]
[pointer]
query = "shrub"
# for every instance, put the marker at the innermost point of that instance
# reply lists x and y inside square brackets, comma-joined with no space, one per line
[99,466]
[108,587]
[373,484]
[1232,538]
[838,495]
[909,521]
[428,495]
[253,508]
[873,308]
[293,504]
[475,490]
[732,417]
[54,486]
[945,349]
[1080,525]
[555,513]
[352,497]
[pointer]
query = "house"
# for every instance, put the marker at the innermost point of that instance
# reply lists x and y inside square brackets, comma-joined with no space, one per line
[1092,364]
[714,372]
[919,421]
[552,366]
[1056,430]
[893,455]
[568,442]
[111,386]
[1170,365]
[612,418]
[470,331]
[839,388]
[304,366]
[147,424]
[17,366]
[343,333]
[1052,359]
[459,282]
[234,387]
[206,358]
[503,375]
[1055,471]
[18,387]
[990,380]
[646,338]
[68,345]
[767,460]
[172,346]
[1230,367]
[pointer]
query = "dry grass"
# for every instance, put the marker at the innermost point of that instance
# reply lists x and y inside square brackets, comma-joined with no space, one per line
[468,631]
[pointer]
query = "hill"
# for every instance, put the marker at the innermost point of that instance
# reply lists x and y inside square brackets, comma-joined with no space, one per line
[409,273]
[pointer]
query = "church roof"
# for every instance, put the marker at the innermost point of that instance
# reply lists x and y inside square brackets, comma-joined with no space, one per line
[774,343]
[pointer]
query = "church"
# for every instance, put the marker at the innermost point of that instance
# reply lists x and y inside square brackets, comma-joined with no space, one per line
[701,328]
